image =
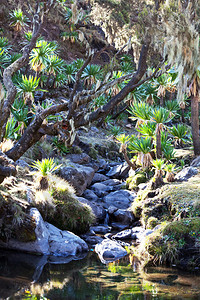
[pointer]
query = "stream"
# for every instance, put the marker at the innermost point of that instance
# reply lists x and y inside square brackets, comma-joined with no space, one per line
[24,276]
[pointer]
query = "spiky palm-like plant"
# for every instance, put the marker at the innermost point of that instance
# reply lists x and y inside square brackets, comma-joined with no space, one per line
[157,180]
[170,169]
[91,74]
[12,129]
[27,88]
[150,93]
[172,106]
[123,140]
[179,133]
[147,129]
[18,19]
[142,146]
[160,116]
[45,169]
[140,111]
[69,71]
[39,57]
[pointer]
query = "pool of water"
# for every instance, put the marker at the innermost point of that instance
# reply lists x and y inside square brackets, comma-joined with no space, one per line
[35,277]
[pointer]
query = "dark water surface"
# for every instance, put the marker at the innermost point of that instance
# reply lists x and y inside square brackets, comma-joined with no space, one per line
[34,277]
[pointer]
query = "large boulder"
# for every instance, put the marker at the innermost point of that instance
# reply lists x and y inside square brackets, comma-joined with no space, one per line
[123,216]
[196,162]
[82,158]
[186,173]
[109,250]
[101,189]
[121,199]
[49,240]
[97,209]
[98,177]
[80,177]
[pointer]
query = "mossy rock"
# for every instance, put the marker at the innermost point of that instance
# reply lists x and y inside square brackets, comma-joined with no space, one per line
[134,181]
[152,222]
[176,242]
[15,222]
[61,208]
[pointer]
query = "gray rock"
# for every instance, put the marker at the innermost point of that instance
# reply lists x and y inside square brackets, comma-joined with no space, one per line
[90,195]
[186,173]
[123,216]
[103,164]
[119,226]
[64,243]
[94,129]
[143,234]
[118,171]
[120,199]
[92,239]
[109,250]
[121,186]
[137,232]
[21,163]
[100,229]
[196,162]
[82,158]
[111,209]
[101,189]
[78,176]
[142,186]
[99,178]
[49,240]
[112,182]
[98,210]
[123,235]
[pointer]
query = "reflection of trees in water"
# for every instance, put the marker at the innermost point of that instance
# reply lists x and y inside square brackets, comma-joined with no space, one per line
[89,279]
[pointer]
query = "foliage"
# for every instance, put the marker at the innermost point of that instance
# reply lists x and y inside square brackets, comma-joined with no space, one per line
[18,19]
[46,166]
[140,111]
[179,133]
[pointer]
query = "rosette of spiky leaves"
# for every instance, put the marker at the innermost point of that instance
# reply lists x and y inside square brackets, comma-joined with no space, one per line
[159,165]
[27,87]
[150,93]
[39,57]
[172,106]
[137,94]
[167,148]
[117,88]
[91,74]
[99,101]
[54,65]
[123,140]
[163,84]
[18,19]
[78,63]
[147,129]
[4,44]
[69,71]
[20,113]
[115,130]
[4,60]
[12,129]
[170,169]
[142,146]
[45,169]
[140,111]
[179,133]
[126,67]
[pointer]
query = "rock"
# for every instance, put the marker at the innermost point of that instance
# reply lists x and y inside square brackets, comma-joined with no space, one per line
[109,250]
[100,229]
[21,163]
[98,210]
[123,235]
[123,216]
[186,173]
[121,186]
[118,226]
[143,234]
[64,243]
[103,164]
[196,162]
[120,199]
[98,177]
[49,240]
[82,158]
[92,239]
[112,182]
[111,209]
[90,195]
[94,129]
[119,171]
[78,176]
[137,232]
[101,189]
[142,186]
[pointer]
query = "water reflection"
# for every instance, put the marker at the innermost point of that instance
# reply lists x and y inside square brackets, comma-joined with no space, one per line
[24,275]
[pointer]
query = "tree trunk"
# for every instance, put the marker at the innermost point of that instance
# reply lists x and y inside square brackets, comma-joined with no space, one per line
[195,124]
[158,141]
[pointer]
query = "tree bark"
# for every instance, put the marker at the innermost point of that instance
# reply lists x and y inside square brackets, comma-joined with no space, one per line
[195,124]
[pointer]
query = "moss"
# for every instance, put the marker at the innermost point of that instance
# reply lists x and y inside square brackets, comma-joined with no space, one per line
[152,222]
[134,181]
[93,153]
[61,208]
[15,222]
